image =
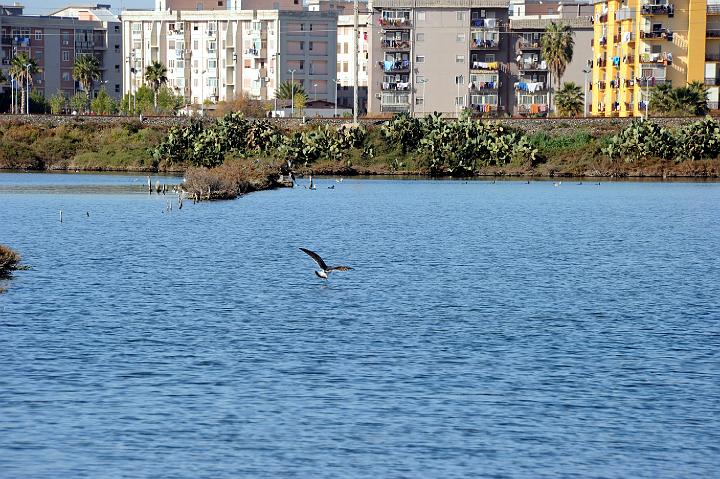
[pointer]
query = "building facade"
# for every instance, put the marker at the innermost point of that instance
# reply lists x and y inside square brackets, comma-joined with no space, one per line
[219,55]
[436,56]
[346,63]
[639,44]
[55,41]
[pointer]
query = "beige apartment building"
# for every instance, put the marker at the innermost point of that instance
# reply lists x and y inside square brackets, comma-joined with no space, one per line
[218,54]
[55,40]
[444,56]
[346,62]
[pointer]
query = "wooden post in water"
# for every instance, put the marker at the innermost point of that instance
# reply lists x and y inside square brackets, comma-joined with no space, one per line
[60,216]
[149,185]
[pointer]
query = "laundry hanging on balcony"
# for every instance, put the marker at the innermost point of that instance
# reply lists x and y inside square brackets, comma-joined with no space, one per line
[616,61]
[531,87]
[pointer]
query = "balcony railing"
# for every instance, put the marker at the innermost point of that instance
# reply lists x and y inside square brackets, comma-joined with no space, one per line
[477,44]
[394,107]
[601,62]
[712,57]
[652,81]
[485,23]
[534,45]
[713,105]
[396,86]
[713,9]
[395,66]
[662,34]
[601,85]
[395,22]
[525,66]
[712,34]
[712,81]
[485,66]
[395,44]
[668,10]
[485,85]
[664,58]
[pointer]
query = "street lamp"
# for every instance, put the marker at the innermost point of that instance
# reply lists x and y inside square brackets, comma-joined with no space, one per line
[585,113]
[315,91]
[202,93]
[335,82]
[12,94]
[292,93]
[27,88]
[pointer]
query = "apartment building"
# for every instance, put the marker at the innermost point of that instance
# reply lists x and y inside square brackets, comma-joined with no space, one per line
[533,82]
[217,55]
[436,56]
[346,61]
[55,40]
[639,44]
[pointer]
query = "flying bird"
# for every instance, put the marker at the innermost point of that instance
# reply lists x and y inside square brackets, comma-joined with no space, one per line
[324,268]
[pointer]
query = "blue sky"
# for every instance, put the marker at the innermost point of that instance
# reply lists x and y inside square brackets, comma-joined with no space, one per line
[45,7]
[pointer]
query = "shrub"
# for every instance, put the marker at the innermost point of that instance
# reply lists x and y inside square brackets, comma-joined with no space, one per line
[9,260]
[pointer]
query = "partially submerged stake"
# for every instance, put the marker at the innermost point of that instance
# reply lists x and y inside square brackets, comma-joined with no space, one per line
[60,216]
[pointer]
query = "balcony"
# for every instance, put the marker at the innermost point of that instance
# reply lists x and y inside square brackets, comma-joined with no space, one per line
[395,44]
[650,10]
[712,81]
[602,18]
[712,105]
[395,66]
[484,85]
[615,83]
[395,23]
[492,66]
[629,59]
[530,86]
[712,34]
[713,9]
[652,81]
[479,44]
[625,13]
[489,23]
[601,85]
[661,34]
[396,86]
[532,66]
[712,57]
[6,40]
[664,58]
[534,45]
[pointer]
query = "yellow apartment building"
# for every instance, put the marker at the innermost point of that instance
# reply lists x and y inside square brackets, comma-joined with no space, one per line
[639,44]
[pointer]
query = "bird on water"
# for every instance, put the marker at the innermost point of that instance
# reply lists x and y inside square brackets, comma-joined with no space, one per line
[325,270]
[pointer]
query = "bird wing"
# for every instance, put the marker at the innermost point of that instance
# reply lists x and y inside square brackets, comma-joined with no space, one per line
[316,257]
[339,268]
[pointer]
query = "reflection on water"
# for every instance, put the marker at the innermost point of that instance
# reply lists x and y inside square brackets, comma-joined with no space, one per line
[492,330]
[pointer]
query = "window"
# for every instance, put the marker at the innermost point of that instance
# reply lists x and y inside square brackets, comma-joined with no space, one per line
[302,45]
[195,63]
[66,76]
[420,16]
[420,59]
[419,100]
[195,28]
[489,57]
[460,38]
[66,56]
[419,37]
[420,79]
[302,27]
[310,46]
[38,34]
[117,88]
[311,25]
[220,3]
[171,63]
[302,65]
[460,16]
[459,80]
[171,44]
[459,58]
[460,100]
[211,47]
[212,82]
[196,45]
[345,67]
[180,64]
[212,63]
[195,82]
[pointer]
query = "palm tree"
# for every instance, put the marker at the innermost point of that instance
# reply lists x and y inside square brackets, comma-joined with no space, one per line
[569,99]
[557,48]
[22,69]
[689,100]
[286,90]
[86,71]
[156,75]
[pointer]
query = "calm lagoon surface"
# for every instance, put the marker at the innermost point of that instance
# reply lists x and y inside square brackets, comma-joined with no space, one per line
[495,330]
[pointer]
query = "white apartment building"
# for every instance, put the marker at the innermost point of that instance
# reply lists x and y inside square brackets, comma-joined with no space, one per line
[217,55]
[346,63]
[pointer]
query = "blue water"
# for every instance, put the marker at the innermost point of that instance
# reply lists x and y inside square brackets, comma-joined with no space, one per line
[487,330]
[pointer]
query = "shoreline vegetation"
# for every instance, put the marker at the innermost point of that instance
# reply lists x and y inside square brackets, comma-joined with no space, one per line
[234,155]
[9,262]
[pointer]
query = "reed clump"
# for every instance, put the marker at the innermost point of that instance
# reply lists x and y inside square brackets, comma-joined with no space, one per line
[231,179]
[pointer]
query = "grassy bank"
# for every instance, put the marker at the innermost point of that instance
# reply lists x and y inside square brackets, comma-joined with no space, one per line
[259,150]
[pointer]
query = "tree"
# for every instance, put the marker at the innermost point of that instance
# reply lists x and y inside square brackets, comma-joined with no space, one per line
[22,68]
[79,101]
[156,76]
[569,100]
[141,101]
[85,72]
[689,100]
[57,102]
[168,101]
[38,103]
[286,90]
[299,102]
[103,104]
[557,48]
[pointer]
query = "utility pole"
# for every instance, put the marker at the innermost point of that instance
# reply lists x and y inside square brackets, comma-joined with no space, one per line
[356,32]
[27,88]
[585,112]
[292,93]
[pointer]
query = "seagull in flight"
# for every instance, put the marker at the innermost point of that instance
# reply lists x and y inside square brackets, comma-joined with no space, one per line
[324,268]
